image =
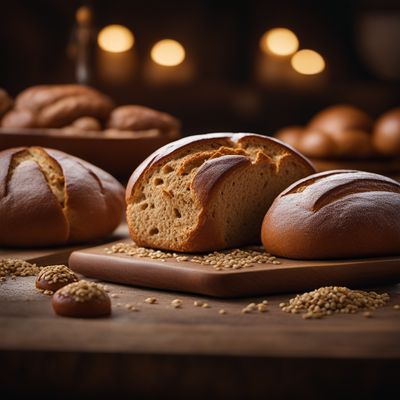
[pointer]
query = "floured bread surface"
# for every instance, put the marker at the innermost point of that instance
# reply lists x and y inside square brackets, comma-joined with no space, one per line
[209,192]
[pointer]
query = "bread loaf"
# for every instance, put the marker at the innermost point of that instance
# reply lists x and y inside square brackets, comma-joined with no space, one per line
[209,192]
[5,102]
[55,106]
[340,118]
[335,214]
[48,198]
[139,118]
[386,134]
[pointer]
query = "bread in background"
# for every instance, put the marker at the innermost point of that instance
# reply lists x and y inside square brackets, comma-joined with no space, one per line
[6,102]
[140,118]
[386,133]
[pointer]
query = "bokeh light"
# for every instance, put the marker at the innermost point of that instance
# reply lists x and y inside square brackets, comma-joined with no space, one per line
[279,41]
[308,62]
[115,39]
[168,52]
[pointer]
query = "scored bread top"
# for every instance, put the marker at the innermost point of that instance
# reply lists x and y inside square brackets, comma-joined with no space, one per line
[335,214]
[220,139]
[49,197]
[209,192]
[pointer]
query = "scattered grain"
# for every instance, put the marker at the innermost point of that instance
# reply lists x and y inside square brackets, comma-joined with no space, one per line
[367,314]
[198,303]
[13,268]
[261,307]
[219,260]
[334,299]
[396,306]
[205,305]
[151,300]
[222,312]
[176,303]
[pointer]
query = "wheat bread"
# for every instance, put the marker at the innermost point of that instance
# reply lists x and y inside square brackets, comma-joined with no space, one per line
[209,192]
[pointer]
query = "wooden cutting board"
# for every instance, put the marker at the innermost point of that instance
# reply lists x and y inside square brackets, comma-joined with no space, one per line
[289,276]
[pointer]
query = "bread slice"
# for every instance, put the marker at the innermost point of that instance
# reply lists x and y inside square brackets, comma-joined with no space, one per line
[209,192]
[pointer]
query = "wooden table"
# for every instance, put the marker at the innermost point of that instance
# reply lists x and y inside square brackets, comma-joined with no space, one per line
[191,352]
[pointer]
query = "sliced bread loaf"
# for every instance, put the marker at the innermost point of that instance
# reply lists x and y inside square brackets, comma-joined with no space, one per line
[209,192]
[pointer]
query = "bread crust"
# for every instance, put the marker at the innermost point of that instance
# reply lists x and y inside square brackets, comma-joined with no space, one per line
[55,106]
[204,186]
[139,118]
[335,214]
[90,206]
[223,139]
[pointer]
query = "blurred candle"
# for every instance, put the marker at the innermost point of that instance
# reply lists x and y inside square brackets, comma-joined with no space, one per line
[279,41]
[115,39]
[168,53]
[116,59]
[168,64]
[308,62]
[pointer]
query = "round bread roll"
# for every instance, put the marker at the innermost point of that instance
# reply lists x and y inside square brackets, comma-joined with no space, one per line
[5,102]
[335,214]
[18,119]
[316,144]
[290,135]
[351,144]
[386,134]
[48,197]
[84,124]
[139,118]
[55,106]
[341,118]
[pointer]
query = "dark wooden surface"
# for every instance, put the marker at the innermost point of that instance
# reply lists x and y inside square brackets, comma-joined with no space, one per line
[192,352]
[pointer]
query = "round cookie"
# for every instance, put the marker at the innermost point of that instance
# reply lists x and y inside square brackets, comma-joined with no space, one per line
[54,277]
[82,299]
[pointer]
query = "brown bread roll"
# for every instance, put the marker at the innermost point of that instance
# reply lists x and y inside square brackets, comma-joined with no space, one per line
[48,197]
[386,134]
[335,214]
[209,192]
[5,102]
[55,106]
[86,124]
[351,144]
[18,119]
[316,144]
[341,118]
[139,118]
[290,135]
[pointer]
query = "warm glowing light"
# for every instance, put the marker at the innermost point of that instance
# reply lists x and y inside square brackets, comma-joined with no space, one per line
[279,41]
[115,39]
[168,52]
[308,62]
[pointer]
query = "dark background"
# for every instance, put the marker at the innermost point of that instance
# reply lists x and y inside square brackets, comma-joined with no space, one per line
[358,40]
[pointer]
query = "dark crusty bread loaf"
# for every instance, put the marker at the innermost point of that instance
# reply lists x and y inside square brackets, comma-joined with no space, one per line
[209,192]
[139,118]
[48,197]
[335,214]
[55,106]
